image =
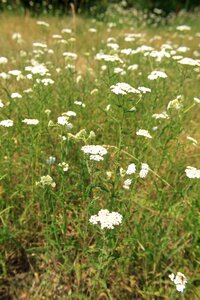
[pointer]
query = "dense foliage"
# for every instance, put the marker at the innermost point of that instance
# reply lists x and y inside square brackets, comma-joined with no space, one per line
[95,6]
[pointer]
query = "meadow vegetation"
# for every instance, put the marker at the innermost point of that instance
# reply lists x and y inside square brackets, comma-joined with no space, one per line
[130,84]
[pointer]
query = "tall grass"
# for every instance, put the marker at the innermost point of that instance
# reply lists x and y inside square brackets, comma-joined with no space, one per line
[49,249]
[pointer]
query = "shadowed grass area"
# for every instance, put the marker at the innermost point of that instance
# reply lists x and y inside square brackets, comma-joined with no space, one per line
[49,247]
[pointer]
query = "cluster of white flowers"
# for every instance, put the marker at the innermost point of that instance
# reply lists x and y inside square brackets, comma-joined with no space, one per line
[1,104]
[144,170]
[46,180]
[144,132]
[189,61]
[42,23]
[3,60]
[106,219]
[6,123]
[16,96]
[70,55]
[127,184]
[192,172]
[96,152]
[51,160]
[122,88]
[64,166]
[183,28]
[107,57]
[157,74]
[37,68]
[175,103]
[30,121]
[179,280]
[131,169]
[64,121]
[162,115]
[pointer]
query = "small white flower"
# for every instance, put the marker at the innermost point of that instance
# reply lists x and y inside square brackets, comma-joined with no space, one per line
[14,72]
[192,172]
[96,157]
[6,123]
[30,121]
[70,55]
[144,133]
[42,23]
[189,61]
[122,88]
[94,150]
[1,104]
[62,120]
[131,169]
[179,280]
[197,100]
[46,180]
[15,95]
[176,103]
[70,114]
[106,219]
[46,81]
[64,166]
[144,170]
[3,60]
[80,103]
[51,160]
[144,90]
[157,74]
[127,184]
[162,115]
[183,28]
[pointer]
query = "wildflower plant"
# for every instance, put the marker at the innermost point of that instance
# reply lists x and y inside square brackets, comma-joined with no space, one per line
[99,182]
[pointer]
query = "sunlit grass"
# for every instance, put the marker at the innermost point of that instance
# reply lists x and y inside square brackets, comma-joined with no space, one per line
[50,250]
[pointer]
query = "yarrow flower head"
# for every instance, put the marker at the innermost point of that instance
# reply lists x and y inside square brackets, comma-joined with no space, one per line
[157,74]
[131,169]
[96,152]
[106,219]
[144,170]
[51,160]
[30,121]
[144,133]
[192,172]
[46,180]
[6,123]
[64,166]
[179,280]
[122,88]
[127,184]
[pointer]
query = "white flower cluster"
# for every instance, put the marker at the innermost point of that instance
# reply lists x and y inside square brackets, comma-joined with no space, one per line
[64,166]
[157,74]
[192,172]
[106,219]
[46,180]
[6,123]
[122,88]
[64,121]
[131,170]
[144,133]
[30,121]
[106,57]
[179,280]
[162,115]
[96,151]
[144,170]
[189,61]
